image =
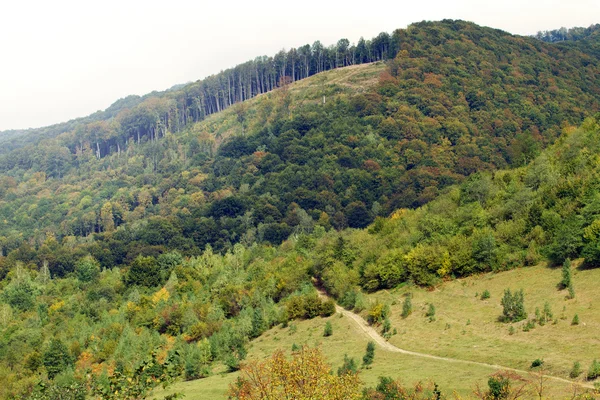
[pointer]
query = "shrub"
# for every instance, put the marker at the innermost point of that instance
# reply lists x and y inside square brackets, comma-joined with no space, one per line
[328,331]
[576,370]
[387,326]
[575,320]
[571,294]
[511,330]
[566,275]
[431,312]
[328,308]
[348,367]
[407,306]
[537,363]
[369,354]
[513,306]
[378,312]
[485,295]
[594,370]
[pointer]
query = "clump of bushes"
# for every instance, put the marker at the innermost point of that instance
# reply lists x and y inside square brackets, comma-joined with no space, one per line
[308,306]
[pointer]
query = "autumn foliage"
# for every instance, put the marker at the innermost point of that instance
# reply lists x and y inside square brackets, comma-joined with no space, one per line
[307,375]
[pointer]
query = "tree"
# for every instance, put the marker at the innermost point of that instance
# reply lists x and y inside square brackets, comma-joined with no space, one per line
[369,355]
[566,281]
[87,269]
[328,331]
[56,358]
[513,308]
[305,376]
[407,306]
[348,367]
[144,271]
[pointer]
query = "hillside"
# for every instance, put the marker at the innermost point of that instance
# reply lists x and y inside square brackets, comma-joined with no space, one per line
[169,252]
[457,99]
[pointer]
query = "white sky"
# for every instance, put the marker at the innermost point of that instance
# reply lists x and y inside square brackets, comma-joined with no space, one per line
[64,59]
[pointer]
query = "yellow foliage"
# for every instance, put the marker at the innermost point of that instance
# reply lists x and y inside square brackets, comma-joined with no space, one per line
[54,308]
[591,232]
[399,213]
[306,376]
[161,295]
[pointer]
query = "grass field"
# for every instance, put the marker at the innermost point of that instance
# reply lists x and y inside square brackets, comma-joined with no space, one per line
[465,328]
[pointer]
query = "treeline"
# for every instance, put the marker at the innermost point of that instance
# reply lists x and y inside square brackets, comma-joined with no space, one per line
[150,117]
[563,34]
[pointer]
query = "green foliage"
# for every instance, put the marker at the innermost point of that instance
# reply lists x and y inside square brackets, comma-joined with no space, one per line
[144,271]
[138,382]
[499,387]
[328,331]
[594,370]
[544,316]
[575,320]
[431,312]
[566,281]
[513,307]
[485,295]
[349,366]
[537,363]
[87,269]
[56,358]
[20,294]
[197,360]
[369,355]
[576,370]
[407,306]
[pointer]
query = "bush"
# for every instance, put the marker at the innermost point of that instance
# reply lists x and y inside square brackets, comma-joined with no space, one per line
[431,312]
[575,320]
[348,367]
[566,275]
[594,371]
[378,312]
[328,308]
[387,326]
[576,370]
[328,331]
[485,295]
[513,306]
[369,354]
[537,363]
[571,294]
[407,306]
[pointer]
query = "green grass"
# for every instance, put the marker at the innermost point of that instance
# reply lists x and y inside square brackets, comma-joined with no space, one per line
[484,339]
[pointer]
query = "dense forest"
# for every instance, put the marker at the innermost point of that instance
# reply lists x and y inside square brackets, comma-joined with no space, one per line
[456,99]
[157,238]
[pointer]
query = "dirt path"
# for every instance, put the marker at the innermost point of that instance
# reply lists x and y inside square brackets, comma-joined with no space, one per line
[379,340]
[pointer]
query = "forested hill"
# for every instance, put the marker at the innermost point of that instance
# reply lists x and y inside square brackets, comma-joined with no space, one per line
[155,113]
[181,105]
[336,149]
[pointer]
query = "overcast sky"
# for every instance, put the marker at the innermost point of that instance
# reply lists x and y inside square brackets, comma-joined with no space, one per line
[64,59]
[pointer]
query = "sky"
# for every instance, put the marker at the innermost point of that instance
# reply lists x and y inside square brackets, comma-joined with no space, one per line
[64,59]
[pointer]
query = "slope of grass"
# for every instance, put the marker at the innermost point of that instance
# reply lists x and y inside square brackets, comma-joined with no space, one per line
[467,327]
